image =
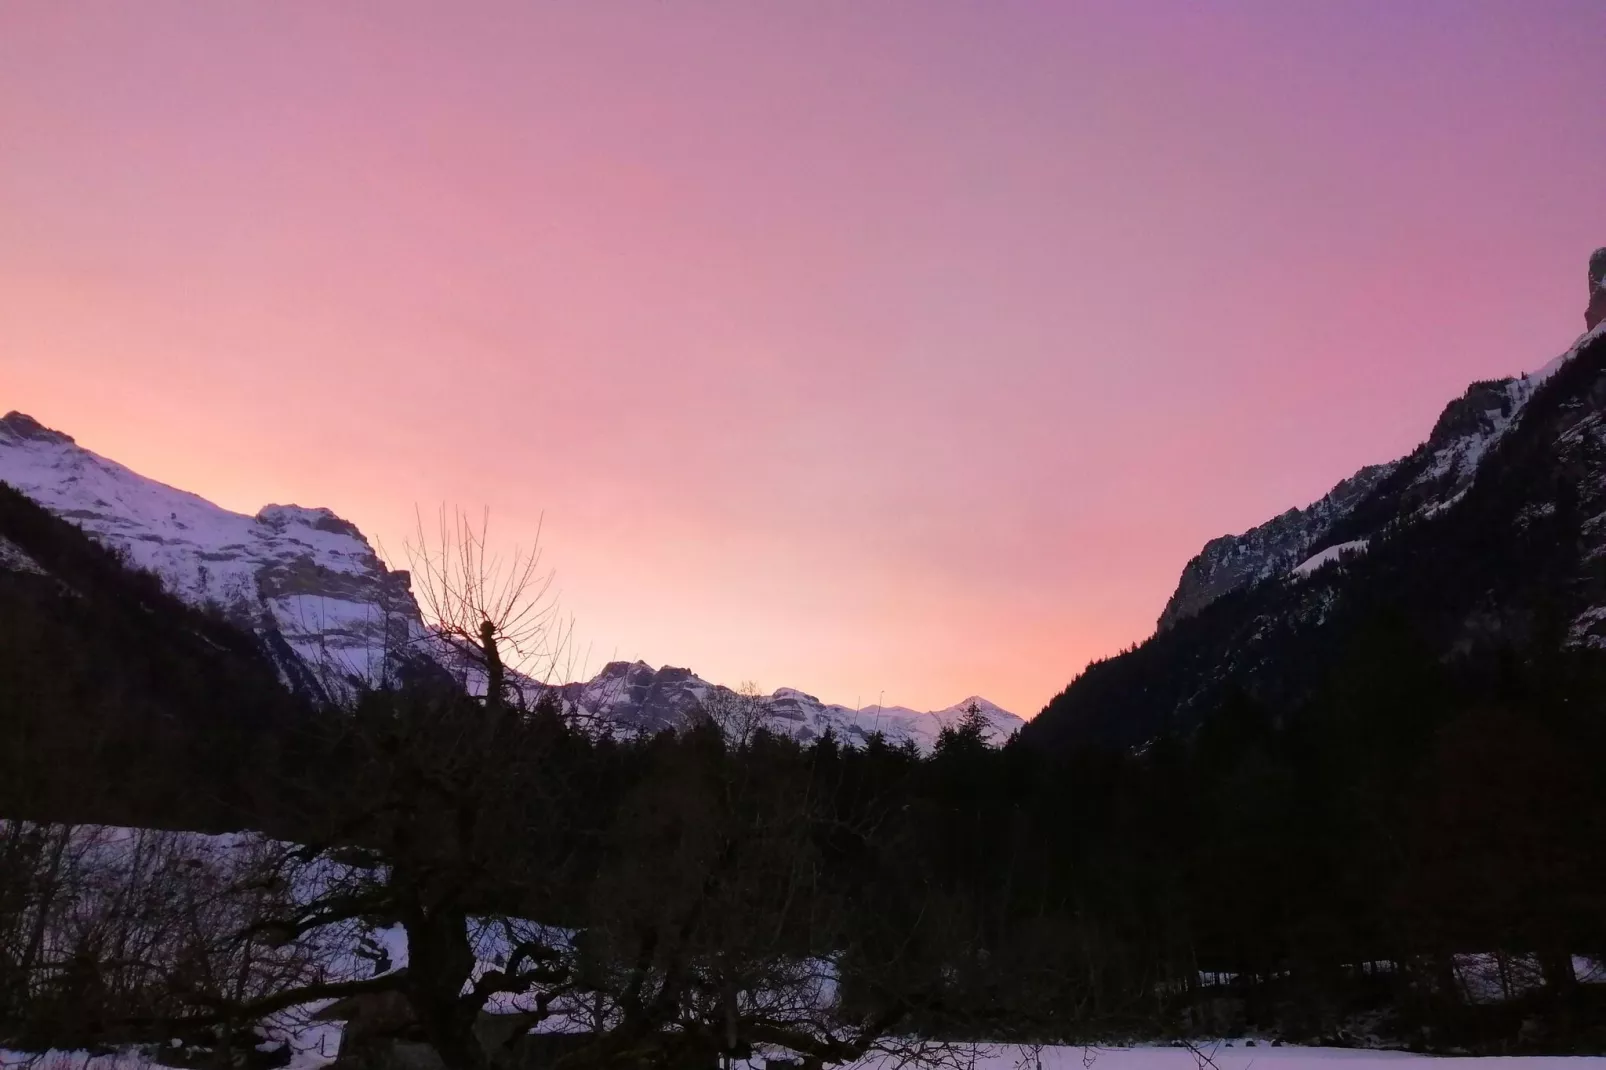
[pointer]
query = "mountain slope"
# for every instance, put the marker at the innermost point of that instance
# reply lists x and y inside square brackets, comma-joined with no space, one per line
[304,579]
[119,701]
[1488,540]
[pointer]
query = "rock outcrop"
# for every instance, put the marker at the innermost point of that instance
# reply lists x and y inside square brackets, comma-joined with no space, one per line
[1596,312]
[1232,562]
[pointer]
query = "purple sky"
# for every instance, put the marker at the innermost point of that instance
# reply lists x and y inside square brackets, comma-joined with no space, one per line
[867,348]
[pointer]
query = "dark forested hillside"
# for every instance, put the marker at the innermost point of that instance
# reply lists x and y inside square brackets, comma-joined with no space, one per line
[120,703]
[1385,756]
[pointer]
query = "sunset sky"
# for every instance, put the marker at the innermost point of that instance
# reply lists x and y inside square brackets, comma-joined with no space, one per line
[902,349]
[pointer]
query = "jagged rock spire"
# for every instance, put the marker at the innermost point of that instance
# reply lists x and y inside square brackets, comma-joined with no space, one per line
[1596,312]
[20,426]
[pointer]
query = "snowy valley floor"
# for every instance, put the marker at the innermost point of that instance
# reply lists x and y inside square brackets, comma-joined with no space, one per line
[1010,1057]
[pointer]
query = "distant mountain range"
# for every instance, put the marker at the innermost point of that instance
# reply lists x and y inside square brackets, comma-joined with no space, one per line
[331,614]
[636,693]
[1489,535]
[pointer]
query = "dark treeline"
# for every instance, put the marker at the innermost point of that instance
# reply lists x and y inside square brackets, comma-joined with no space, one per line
[1413,851]
[1315,879]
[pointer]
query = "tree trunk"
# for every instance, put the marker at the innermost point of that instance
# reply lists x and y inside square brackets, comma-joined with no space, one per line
[440,962]
[1560,980]
[495,676]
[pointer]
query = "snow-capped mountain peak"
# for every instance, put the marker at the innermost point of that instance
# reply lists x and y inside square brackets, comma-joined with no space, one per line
[305,579]
[334,616]
[649,699]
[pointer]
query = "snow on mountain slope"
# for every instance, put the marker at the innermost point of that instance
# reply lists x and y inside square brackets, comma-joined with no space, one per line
[334,615]
[14,558]
[923,727]
[304,578]
[897,723]
[1328,556]
[1426,481]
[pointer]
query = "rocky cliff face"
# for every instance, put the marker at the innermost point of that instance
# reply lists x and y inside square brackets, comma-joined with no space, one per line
[331,613]
[1272,549]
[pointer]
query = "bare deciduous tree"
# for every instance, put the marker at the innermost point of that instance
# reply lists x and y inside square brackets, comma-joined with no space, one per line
[111,935]
[486,609]
[739,714]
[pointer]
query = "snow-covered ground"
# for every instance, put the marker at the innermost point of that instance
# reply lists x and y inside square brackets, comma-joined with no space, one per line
[1011,1057]
[1261,1057]
[104,858]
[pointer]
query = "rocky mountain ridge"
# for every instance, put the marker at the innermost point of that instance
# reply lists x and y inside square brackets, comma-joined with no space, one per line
[638,694]
[333,614]
[1595,314]
[1485,543]
[1427,480]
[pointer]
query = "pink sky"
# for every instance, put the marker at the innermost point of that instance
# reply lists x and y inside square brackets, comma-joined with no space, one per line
[903,348]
